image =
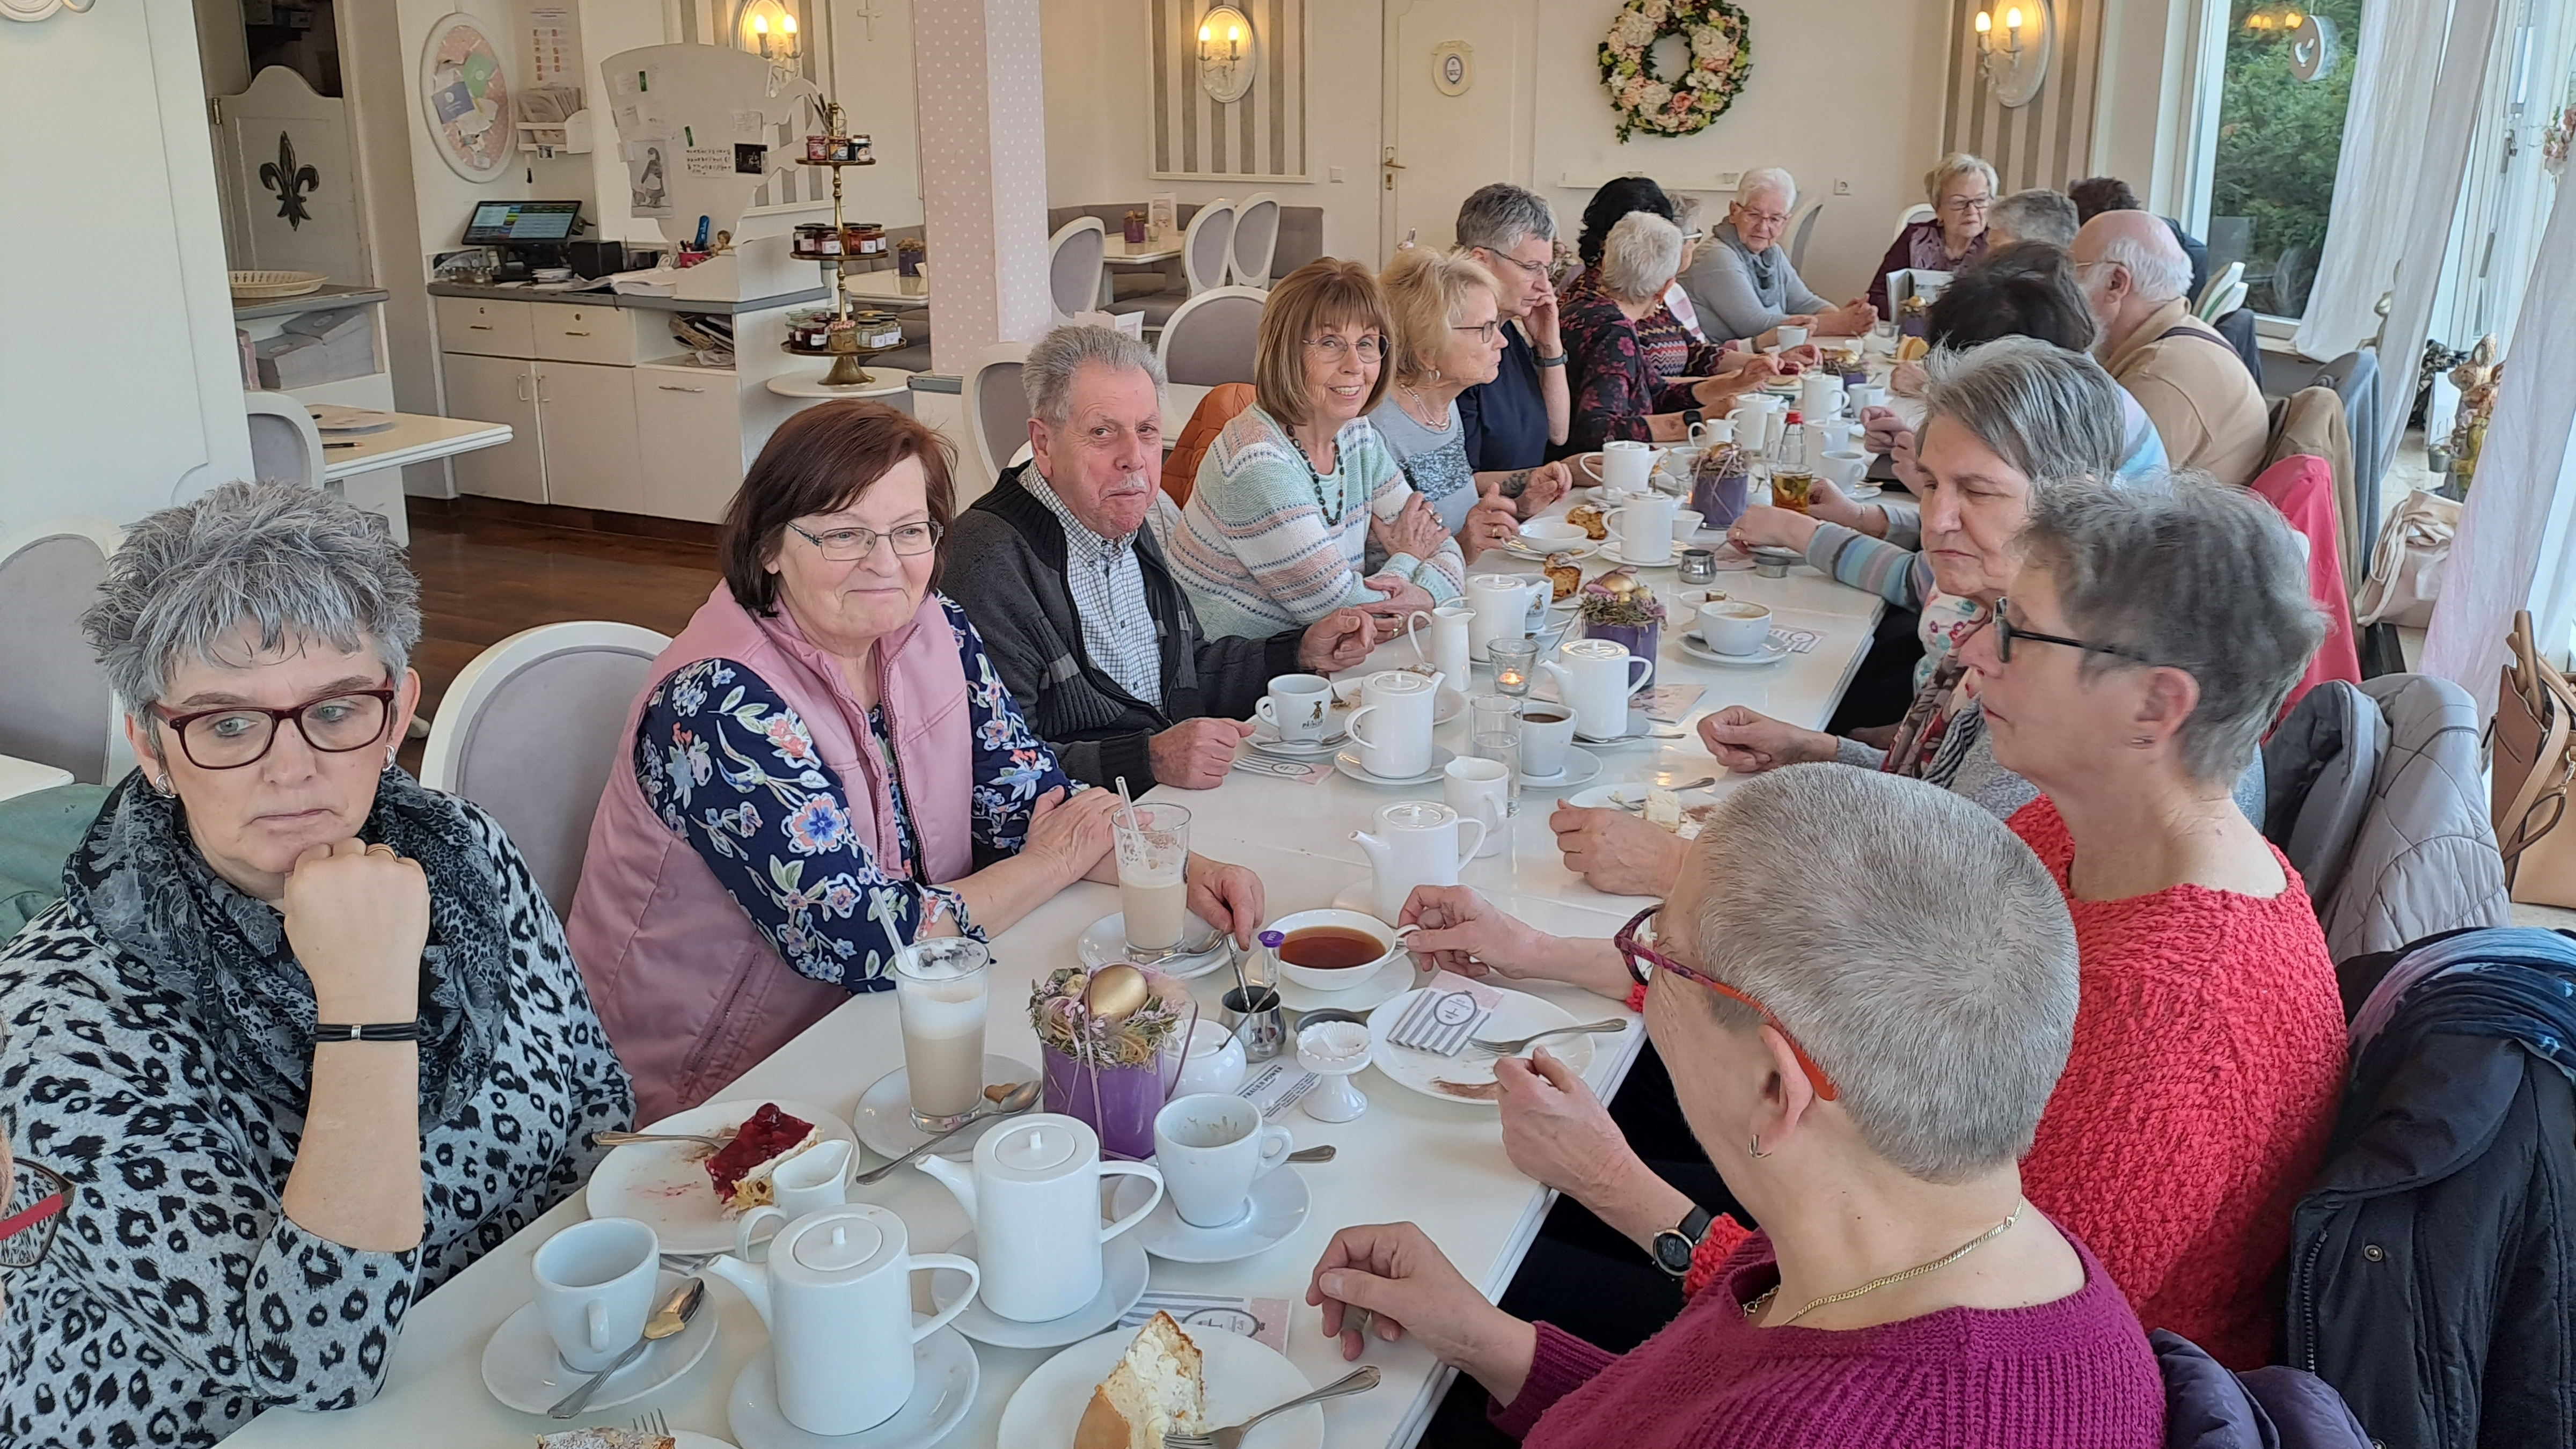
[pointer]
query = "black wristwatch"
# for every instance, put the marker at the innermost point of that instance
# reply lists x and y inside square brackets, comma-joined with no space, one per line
[1691,419]
[1675,1246]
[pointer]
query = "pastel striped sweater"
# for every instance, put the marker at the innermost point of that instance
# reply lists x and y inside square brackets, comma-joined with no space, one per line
[1266,545]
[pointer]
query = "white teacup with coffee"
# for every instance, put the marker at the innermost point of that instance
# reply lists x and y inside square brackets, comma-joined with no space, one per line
[1547,731]
[1211,1147]
[1297,707]
[1734,626]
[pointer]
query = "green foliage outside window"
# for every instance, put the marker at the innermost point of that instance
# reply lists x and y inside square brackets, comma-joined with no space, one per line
[2278,141]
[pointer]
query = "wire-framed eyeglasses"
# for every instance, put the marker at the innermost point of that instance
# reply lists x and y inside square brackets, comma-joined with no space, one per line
[1640,956]
[1369,347]
[849,545]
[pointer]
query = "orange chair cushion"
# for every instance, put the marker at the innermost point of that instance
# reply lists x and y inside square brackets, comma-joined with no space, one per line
[1181,465]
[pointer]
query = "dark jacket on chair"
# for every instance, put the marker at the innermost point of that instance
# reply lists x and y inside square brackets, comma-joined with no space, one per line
[1006,565]
[2433,1266]
[2208,1407]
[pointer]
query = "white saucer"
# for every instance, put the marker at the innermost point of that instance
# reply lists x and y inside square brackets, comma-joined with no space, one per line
[945,1376]
[1772,653]
[884,1118]
[1580,766]
[1105,940]
[522,1369]
[1640,726]
[1278,1207]
[664,1184]
[1258,743]
[1243,1378]
[1348,762]
[1123,1271]
[1863,492]
[1617,555]
[1518,1015]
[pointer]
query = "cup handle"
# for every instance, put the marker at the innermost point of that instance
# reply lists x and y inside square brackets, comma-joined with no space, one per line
[1263,709]
[1351,727]
[1468,851]
[1276,1142]
[1132,1169]
[1643,669]
[595,1323]
[974,1285]
[1590,463]
[751,1222]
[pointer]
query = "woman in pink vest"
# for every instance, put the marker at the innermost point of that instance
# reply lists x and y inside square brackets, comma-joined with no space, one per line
[824,768]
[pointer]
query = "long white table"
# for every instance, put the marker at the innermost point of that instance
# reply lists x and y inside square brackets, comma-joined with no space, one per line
[1440,1164]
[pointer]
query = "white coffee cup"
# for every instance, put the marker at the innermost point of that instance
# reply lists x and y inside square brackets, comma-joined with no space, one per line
[595,1285]
[1211,1146]
[1792,337]
[1734,626]
[1625,465]
[1480,790]
[1846,469]
[1867,395]
[1211,1062]
[1686,524]
[1396,708]
[1297,706]
[812,1180]
[1547,731]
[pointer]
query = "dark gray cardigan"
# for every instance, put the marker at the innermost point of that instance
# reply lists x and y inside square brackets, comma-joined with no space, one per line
[1006,562]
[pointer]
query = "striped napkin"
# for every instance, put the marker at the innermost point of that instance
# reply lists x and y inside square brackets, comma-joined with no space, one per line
[1445,1014]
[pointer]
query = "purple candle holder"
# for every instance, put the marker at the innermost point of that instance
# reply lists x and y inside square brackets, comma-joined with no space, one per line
[1720,499]
[1118,1102]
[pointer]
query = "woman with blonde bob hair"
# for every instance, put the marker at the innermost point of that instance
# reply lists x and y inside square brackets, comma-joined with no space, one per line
[1448,338]
[1961,190]
[1295,489]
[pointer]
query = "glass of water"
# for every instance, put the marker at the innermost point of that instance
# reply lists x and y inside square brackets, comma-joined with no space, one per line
[1494,733]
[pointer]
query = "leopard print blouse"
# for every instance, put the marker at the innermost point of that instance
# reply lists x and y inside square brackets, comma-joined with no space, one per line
[179,1300]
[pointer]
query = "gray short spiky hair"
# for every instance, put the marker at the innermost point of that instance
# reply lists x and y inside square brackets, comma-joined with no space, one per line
[2039,215]
[1501,216]
[288,561]
[1048,372]
[1641,256]
[1928,967]
[2051,413]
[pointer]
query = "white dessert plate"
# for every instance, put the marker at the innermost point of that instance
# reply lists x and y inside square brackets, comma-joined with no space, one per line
[1277,1208]
[1243,1378]
[522,1369]
[1519,1015]
[1123,1271]
[945,1376]
[884,1118]
[664,1185]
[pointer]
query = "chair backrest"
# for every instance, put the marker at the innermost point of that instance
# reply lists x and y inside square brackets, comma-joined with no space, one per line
[1207,248]
[2231,275]
[1211,337]
[1919,211]
[997,412]
[1074,267]
[562,682]
[1799,232]
[1218,408]
[1256,238]
[285,446]
[57,709]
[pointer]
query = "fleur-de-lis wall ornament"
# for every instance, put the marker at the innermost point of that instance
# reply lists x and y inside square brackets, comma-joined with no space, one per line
[290,182]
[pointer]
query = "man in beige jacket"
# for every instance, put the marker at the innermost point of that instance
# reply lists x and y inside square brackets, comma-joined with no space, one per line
[2205,404]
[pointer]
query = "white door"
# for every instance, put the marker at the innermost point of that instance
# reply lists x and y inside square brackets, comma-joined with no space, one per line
[1436,146]
[289,178]
[587,414]
[498,390]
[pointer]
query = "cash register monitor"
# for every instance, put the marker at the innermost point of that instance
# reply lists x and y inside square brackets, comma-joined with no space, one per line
[502,223]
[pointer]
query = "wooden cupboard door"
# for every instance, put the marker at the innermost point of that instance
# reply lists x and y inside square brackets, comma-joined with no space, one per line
[689,425]
[586,414]
[492,327]
[498,390]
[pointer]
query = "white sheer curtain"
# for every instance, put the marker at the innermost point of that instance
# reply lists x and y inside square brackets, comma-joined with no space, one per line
[2394,68]
[2516,546]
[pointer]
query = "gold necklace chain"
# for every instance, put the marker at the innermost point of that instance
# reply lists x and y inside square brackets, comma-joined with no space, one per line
[1753,1308]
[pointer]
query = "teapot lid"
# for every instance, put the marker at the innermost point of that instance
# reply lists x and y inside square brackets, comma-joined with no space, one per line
[1594,648]
[1038,1147]
[837,1243]
[1398,681]
[1416,815]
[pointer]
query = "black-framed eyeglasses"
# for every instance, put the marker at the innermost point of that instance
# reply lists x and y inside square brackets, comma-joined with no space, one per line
[240,734]
[849,545]
[37,1196]
[1485,331]
[1369,346]
[2006,631]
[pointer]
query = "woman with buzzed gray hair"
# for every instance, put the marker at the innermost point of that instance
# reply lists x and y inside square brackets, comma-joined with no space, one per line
[302,1036]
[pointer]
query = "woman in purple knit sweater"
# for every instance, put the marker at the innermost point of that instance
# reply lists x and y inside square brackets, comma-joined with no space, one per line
[1865,989]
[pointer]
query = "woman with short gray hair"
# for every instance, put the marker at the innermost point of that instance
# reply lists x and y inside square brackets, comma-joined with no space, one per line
[303,1036]
[1960,189]
[1618,391]
[1744,286]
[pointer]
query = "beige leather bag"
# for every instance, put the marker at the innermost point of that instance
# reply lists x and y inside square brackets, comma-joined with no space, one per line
[2406,563]
[2534,766]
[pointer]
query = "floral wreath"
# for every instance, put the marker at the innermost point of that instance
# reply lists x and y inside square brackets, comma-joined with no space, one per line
[1721,54]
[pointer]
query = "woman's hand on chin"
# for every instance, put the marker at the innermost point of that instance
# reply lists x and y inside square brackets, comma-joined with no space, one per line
[358,918]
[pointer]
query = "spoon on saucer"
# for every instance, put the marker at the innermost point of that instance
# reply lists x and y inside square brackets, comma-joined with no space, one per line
[674,1315]
[1018,1099]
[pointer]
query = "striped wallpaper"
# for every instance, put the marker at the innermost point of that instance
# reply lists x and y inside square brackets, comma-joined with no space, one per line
[2050,141]
[1261,137]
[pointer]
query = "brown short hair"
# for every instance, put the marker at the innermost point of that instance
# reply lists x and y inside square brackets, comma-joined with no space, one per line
[820,460]
[1323,292]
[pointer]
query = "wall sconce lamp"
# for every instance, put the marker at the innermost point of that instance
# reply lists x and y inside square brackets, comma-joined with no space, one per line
[1229,54]
[777,41]
[2015,43]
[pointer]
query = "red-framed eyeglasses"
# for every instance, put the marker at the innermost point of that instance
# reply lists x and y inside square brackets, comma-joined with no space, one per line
[1639,956]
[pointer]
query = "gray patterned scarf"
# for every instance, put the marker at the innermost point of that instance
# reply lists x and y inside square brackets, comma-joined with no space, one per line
[138,876]
[1770,280]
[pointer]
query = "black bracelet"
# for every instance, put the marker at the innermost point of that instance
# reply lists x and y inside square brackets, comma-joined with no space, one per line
[1556,361]
[331,1031]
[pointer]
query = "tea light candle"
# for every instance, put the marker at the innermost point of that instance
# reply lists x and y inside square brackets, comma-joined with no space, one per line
[1514,662]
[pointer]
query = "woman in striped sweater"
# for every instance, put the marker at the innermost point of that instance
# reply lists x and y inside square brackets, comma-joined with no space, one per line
[1295,488]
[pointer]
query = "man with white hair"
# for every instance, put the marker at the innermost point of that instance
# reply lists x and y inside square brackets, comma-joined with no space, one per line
[1743,286]
[2188,378]
[1076,607]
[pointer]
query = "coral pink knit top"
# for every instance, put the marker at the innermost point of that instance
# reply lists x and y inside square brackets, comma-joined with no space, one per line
[2196,1102]
[2073,1374]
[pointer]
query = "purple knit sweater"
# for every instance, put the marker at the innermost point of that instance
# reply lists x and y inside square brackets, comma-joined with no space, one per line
[2073,1374]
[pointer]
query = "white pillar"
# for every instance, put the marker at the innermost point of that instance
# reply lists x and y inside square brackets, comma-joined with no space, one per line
[976,83]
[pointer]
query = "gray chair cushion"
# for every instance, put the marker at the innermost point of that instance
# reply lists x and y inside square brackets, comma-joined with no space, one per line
[1157,307]
[1001,402]
[545,798]
[2318,768]
[1215,343]
[56,709]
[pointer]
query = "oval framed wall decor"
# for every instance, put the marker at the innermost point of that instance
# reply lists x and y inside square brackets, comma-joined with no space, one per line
[465,97]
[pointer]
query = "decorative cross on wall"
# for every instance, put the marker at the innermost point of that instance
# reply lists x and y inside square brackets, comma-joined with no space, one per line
[290,182]
[867,11]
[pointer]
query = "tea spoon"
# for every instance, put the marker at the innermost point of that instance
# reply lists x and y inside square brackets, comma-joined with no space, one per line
[625,1139]
[1018,1099]
[1313,1154]
[674,1315]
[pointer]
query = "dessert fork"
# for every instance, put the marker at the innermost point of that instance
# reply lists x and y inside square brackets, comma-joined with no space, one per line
[1358,1380]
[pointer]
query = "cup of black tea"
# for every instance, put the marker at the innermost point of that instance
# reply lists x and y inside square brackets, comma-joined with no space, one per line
[1332,950]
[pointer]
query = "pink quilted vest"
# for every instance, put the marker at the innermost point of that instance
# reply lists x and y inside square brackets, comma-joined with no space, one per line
[691,993]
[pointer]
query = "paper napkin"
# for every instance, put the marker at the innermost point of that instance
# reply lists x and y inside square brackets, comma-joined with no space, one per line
[1445,1014]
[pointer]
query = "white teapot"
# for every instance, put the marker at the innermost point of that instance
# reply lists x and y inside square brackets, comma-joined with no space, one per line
[837,1298]
[1417,844]
[1595,680]
[1034,1197]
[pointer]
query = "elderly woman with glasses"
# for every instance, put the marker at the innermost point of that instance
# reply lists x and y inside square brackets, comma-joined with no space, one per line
[302,1036]
[1744,287]
[824,768]
[1618,390]
[1904,1289]
[1961,188]
[1277,532]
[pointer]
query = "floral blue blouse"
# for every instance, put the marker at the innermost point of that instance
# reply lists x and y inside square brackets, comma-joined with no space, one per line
[731,768]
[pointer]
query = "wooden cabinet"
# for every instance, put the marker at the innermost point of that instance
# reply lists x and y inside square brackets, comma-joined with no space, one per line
[489,329]
[689,427]
[586,415]
[568,332]
[498,390]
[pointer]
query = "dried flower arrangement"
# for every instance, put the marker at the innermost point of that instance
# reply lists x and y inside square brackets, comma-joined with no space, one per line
[1064,1025]
[1620,597]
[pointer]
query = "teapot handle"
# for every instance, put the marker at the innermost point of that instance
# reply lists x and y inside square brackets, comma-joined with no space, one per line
[1637,677]
[1132,1169]
[1351,726]
[974,1284]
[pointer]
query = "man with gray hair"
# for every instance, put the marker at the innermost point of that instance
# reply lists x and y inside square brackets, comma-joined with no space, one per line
[1075,605]
[1743,286]
[2189,379]
[2036,215]
[1511,421]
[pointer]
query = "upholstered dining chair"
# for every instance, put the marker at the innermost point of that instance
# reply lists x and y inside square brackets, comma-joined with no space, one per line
[285,446]
[1256,241]
[1074,267]
[1211,338]
[57,709]
[1207,249]
[997,415]
[1801,230]
[530,730]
